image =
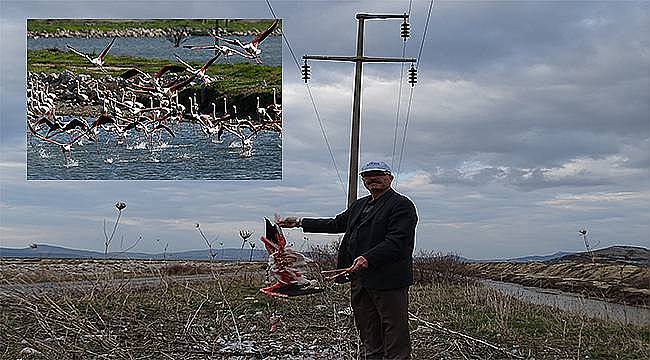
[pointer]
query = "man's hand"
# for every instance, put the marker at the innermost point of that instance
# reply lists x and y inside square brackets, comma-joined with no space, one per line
[359,263]
[288,222]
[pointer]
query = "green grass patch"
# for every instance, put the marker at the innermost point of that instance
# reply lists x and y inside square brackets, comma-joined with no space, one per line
[240,79]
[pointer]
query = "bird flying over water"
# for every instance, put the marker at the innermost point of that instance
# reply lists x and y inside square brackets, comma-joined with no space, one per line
[252,47]
[99,60]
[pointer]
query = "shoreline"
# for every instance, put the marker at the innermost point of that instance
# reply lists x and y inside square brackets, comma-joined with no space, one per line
[135,32]
[617,283]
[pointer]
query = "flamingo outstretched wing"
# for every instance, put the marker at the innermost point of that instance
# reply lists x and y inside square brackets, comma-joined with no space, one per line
[79,53]
[264,34]
[106,49]
[131,73]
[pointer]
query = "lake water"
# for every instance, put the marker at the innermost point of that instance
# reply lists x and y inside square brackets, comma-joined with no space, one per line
[188,156]
[160,47]
[593,308]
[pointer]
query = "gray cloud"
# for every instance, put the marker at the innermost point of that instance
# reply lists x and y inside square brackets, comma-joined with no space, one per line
[529,121]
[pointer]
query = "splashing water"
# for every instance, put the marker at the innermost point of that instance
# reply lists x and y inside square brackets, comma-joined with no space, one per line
[71,163]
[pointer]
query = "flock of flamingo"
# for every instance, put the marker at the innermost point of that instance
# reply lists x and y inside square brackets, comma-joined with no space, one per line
[160,115]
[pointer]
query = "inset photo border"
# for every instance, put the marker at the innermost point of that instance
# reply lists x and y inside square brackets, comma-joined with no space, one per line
[155,99]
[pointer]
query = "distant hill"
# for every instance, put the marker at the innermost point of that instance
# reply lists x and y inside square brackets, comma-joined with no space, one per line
[619,254]
[57,252]
[522,259]
[541,258]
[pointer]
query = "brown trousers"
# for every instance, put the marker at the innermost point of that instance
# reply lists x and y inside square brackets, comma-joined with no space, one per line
[381,317]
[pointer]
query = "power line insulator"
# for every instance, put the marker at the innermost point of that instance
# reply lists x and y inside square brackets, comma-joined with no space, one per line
[413,75]
[405,29]
[305,71]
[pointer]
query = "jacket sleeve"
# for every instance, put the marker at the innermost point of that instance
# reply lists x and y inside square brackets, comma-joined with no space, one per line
[335,225]
[400,236]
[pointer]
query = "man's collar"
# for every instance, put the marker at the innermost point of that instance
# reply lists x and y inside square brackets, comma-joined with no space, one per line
[390,189]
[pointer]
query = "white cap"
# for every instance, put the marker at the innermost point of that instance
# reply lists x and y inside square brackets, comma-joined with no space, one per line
[375,166]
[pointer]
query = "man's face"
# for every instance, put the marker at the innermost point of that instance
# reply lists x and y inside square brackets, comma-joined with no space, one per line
[376,181]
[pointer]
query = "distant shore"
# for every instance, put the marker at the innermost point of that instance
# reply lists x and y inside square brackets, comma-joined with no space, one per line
[145,28]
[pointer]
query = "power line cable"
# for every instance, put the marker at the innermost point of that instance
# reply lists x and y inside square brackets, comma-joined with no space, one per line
[424,35]
[399,97]
[313,102]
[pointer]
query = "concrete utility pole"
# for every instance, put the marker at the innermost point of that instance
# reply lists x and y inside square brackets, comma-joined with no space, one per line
[359,59]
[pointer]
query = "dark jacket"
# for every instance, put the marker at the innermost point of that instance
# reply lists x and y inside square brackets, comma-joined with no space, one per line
[385,237]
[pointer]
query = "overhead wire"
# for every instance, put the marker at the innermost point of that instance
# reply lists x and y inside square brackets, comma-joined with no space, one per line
[424,35]
[399,97]
[313,102]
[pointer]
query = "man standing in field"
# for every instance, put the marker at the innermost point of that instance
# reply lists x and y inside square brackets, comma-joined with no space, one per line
[376,253]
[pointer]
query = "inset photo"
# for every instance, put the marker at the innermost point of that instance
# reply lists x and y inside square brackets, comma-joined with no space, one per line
[158,99]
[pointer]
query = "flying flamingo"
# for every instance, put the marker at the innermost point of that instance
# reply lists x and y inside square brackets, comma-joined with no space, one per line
[99,60]
[225,50]
[200,73]
[252,47]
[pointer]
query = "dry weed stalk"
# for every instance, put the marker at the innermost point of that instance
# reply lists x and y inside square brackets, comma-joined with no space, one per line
[232,314]
[244,234]
[252,245]
[211,252]
[107,239]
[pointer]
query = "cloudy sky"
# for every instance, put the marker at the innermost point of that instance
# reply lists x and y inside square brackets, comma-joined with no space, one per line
[530,120]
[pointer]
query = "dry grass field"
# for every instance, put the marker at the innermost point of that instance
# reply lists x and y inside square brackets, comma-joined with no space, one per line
[202,310]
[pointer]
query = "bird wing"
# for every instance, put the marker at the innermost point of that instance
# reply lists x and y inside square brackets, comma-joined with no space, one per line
[46,121]
[78,52]
[31,129]
[181,84]
[225,49]
[164,127]
[274,234]
[130,125]
[169,68]
[106,49]
[198,47]
[210,62]
[74,123]
[101,120]
[131,73]
[188,66]
[237,134]
[263,35]
[229,41]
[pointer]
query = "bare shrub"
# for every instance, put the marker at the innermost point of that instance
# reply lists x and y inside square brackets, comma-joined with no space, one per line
[429,267]
[324,255]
